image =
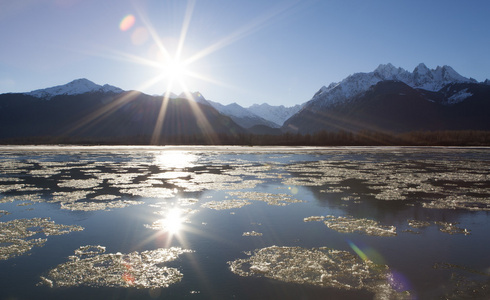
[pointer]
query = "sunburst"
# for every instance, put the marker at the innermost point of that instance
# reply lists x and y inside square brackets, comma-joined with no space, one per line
[173,68]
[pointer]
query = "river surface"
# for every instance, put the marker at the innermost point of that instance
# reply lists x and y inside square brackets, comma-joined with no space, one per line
[244,223]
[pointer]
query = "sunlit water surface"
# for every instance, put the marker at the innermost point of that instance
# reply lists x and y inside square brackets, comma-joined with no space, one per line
[244,223]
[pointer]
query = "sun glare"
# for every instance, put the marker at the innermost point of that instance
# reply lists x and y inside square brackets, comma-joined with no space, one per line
[173,66]
[172,223]
[174,159]
[174,70]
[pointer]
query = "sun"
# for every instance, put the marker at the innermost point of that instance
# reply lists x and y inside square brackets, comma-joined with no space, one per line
[175,70]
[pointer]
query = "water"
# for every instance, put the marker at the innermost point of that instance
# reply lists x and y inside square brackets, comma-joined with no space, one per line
[244,223]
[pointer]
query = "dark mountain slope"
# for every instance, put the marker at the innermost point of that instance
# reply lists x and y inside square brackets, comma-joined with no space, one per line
[393,106]
[110,115]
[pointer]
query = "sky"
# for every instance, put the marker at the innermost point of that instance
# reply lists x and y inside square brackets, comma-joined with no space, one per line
[254,51]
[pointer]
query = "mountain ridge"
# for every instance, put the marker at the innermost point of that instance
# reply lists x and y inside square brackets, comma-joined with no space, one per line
[422,78]
[75,87]
[392,106]
[360,101]
[245,117]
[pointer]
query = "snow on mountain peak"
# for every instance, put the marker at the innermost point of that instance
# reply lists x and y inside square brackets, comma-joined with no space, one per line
[421,70]
[421,77]
[390,72]
[386,70]
[75,87]
[276,114]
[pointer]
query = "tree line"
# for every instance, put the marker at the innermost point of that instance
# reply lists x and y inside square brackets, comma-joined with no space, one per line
[321,138]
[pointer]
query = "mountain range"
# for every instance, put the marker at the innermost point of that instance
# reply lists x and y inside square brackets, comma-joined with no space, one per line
[388,99]
[391,99]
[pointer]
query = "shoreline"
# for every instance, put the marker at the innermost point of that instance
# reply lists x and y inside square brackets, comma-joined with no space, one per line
[223,148]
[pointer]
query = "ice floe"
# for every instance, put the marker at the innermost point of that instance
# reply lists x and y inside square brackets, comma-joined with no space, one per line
[16,236]
[269,198]
[225,204]
[349,224]
[318,266]
[446,227]
[136,269]
[252,233]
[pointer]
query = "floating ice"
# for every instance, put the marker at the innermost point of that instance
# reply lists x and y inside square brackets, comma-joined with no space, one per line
[140,270]
[440,184]
[225,204]
[207,181]
[14,235]
[349,224]
[89,250]
[149,192]
[98,205]
[26,197]
[67,197]
[252,233]
[318,266]
[11,187]
[80,183]
[460,202]
[445,227]
[418,224]
[314,218]
[451,228]
[187,201]
[271,199]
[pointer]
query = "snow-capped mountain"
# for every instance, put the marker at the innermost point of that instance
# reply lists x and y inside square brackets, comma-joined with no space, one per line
[242,116]
[391,99]
[76,87]
[421,78]
[276,114]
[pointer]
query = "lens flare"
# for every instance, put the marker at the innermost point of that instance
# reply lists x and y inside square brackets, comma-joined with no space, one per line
[367,253]
[139,36]
[173,66]
[398,281]
[358,251]
[127,22]
[395,279]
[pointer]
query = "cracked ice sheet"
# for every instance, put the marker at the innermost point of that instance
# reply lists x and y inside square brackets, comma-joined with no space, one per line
[318,266]
[90,266]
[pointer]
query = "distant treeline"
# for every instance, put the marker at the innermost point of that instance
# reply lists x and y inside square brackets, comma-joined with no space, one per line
[322,138]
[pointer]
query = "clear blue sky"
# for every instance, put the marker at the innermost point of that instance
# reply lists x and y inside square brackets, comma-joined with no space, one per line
[254,51]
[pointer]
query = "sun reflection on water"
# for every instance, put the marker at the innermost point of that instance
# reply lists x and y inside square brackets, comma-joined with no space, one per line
[175,159]
[172,223]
